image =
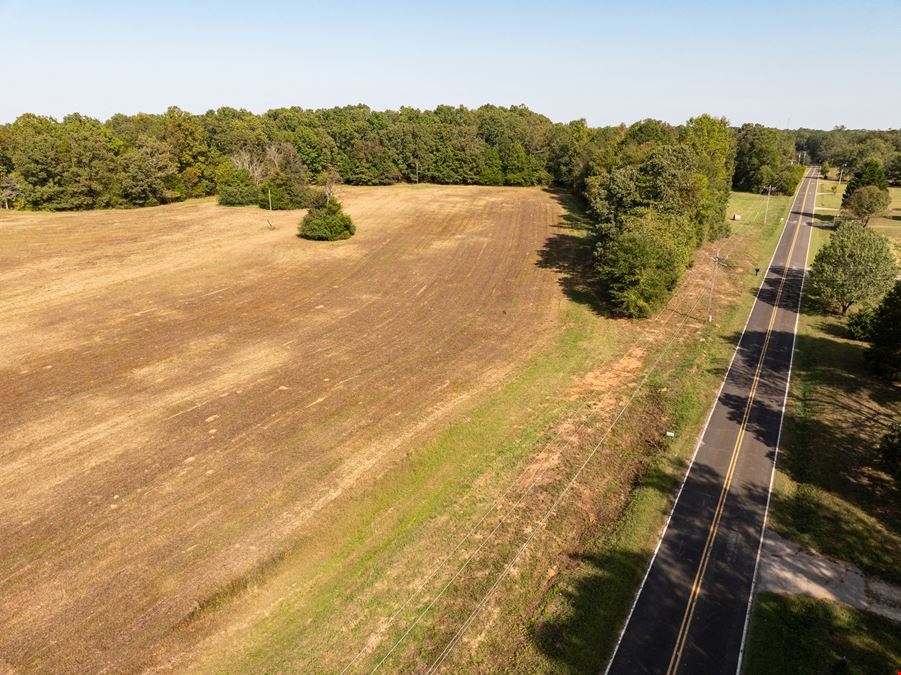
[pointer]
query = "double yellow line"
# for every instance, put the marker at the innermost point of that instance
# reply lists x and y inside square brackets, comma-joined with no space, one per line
[733,462]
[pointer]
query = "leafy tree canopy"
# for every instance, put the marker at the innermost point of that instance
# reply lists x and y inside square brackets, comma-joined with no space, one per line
[867,201]
[885,335]
[856,266]
[870,172]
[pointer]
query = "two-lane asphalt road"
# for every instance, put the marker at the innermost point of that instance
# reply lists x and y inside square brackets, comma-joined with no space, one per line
[689,615]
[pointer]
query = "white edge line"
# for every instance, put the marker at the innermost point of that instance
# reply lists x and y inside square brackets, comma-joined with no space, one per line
[701,436]
[769,494]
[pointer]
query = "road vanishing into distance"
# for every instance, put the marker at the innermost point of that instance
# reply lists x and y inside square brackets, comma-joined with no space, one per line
[691,609]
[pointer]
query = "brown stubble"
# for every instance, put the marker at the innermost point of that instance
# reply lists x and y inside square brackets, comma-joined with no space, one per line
[181,389]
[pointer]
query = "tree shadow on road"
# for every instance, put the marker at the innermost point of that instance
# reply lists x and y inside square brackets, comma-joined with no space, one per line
[843,503]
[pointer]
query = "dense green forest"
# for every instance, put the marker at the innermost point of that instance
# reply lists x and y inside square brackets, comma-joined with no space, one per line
[849,149]
[765,160]
[655,191]
[144,159]
[656,194]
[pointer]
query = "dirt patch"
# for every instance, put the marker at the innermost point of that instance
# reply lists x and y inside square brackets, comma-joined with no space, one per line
[786,568]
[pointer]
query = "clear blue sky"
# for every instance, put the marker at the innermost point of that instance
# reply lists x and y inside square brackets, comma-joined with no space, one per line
[814,64]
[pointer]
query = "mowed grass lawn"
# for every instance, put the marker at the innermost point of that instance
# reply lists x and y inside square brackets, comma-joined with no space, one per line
[829,201]
[799,635]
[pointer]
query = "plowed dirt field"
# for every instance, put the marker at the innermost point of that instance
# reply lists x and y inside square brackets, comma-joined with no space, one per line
[183,390]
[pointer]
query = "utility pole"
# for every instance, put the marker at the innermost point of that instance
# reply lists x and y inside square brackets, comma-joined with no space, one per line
[841,170]
[269,222]
[766,210]
[716,264]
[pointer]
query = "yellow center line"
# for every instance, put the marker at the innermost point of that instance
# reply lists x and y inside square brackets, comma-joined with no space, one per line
[733,462]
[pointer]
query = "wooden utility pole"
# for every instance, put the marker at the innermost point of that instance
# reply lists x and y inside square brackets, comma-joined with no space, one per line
[766,210]
[716,264]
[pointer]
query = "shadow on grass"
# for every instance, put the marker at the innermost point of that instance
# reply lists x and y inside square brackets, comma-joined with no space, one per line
[569,251]
[593,604]
[598,599]
[800,635]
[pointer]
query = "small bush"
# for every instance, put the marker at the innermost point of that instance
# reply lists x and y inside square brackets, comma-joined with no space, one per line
[288,194]
[328,223]
[860,324]
[235,187]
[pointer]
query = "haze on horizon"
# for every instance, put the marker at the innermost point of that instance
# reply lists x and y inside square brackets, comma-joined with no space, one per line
[606,62]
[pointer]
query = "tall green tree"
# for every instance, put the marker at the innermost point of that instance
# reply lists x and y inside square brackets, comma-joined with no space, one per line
[885,335]
[148,173]
[714,146]
[855,266]
[867,202]
[870,172]
[893,169]
[763,158]
[641,266]
[37,158]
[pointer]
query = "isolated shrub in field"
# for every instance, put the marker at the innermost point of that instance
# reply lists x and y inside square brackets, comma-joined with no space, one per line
[234,186]
[328,223]
[860,324]
[642,264]
[884,353]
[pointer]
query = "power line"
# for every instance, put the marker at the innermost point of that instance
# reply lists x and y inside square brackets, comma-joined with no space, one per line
[469,559]
[673,312]
[543,521]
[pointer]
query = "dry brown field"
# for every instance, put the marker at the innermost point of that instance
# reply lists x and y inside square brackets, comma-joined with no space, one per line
[184,390]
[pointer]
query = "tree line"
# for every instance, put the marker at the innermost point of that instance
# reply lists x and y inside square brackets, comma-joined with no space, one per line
[656,191]
[848,149]
[148,159]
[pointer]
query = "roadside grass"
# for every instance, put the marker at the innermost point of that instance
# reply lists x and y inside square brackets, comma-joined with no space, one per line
[347,576]
[829,194]
[574,626]
[336,590]
[799,635]
[830,493]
